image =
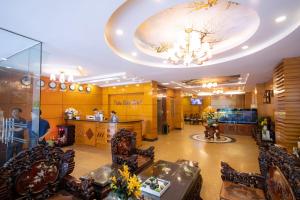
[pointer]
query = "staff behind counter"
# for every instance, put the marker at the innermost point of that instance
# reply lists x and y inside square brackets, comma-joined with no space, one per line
[98,116]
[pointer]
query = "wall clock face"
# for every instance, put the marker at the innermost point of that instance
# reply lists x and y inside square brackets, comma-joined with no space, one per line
[26,81]
[72,87]
[52,85]
[40,83]
[63,86]
[80,88]
[88,89]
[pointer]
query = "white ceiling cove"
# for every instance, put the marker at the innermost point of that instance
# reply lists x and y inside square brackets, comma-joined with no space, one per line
[99,36]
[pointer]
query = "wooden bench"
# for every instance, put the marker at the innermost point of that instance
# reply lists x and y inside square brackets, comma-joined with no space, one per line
[43,173]
[279,178]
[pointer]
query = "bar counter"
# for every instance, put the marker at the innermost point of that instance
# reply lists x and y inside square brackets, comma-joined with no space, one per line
[97,133]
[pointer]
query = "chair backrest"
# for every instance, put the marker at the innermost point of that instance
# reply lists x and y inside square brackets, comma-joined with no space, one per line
[277,186]
[288,164]
[123,142]
[35,173]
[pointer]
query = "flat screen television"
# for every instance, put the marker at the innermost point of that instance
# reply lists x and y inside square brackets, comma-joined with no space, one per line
[196,101]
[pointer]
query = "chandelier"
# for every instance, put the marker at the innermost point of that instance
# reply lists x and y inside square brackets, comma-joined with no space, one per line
[62,78]
[193,48]
[210,85]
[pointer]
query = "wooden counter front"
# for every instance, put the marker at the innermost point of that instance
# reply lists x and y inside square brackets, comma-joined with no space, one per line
[96,133]
[236,129]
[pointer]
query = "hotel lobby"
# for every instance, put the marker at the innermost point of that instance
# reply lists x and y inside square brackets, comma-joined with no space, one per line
[153,99]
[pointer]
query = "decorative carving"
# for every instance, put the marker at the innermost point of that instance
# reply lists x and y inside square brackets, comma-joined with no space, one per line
[38,174]
[124,151]
[248,179]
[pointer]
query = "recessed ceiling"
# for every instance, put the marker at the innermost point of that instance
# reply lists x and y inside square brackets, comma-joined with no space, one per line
[72,32]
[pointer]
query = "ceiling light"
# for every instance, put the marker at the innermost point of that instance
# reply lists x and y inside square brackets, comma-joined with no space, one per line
[3,59]
[280,19]
[177,87]
[124,77]
[134,54]
[115,75]
[8,67]
[119,32]
[245,47]
[165,83]
[118,80]
[165,62]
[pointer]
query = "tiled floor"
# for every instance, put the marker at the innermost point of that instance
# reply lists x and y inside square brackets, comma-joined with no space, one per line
[242,155]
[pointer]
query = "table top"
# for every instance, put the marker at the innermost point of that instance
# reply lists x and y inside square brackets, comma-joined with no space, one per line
[102,174]
[181,175]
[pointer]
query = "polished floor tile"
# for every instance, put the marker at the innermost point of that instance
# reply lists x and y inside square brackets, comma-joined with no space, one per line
[241,155]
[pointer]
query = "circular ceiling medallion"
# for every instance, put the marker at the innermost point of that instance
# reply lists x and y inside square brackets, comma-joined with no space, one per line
[230,26]
[226,23]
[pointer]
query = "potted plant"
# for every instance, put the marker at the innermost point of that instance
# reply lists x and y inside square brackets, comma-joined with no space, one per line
[210,116]
[125,185]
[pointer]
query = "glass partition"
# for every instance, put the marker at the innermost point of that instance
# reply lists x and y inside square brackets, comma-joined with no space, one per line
[20,68]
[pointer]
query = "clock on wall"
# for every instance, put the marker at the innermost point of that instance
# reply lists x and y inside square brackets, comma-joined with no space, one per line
[40,83]
[72,87]
[26,80]
[63,86]
[88,89]
[52,85]
[80,88]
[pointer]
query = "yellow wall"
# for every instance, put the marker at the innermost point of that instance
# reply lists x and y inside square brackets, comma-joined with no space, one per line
[138,101]
[188,108]
[174,109]
[54,102]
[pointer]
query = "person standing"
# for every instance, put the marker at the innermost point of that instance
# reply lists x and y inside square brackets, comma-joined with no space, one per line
[113,117]
[43,130]
[13,148]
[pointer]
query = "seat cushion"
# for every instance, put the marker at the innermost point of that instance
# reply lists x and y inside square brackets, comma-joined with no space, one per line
[233,191]
[63,195]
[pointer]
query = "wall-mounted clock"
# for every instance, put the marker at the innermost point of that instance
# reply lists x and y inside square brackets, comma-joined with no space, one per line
[88,89]
[72,87]
[52,85]
[40,83]
[26,80]
[80,88]
[63,86]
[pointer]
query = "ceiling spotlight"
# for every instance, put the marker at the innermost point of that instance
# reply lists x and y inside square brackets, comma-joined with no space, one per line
[280,19]
[165,83]
[7,67]
[134,54]
[119,32]
[165,62]
[177,87]
[124,77]
[3,59]
[245,47]
[118,80]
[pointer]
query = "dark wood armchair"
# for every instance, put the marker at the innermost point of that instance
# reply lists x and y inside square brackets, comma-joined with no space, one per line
[124,151]
[279,178]
[43,173]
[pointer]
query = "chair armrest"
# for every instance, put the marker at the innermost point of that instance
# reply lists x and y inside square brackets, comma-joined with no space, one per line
[248,179]
[130,161]
[146,152]
[83,189]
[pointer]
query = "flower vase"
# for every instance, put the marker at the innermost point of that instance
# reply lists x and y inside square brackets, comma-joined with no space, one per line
[70,116]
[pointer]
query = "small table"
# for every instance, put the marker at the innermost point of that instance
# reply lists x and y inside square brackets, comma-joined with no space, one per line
[101,178]
[185,179]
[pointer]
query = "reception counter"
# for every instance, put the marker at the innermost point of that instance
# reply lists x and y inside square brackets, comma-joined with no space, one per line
[97,133]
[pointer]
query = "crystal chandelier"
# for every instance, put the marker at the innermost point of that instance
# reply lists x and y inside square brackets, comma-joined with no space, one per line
[194,48]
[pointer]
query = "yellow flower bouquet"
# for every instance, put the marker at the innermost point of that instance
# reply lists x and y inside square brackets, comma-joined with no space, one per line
[125,185]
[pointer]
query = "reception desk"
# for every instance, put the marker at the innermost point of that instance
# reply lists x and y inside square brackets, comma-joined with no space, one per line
[97,133]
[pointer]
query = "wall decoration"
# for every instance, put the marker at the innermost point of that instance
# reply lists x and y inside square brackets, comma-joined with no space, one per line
[52,85]
[80,88]
[72,87]
[88,89]
[40,83]
[26,80]
[63,86]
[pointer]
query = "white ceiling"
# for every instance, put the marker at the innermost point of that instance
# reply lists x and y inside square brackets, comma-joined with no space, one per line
[72,32]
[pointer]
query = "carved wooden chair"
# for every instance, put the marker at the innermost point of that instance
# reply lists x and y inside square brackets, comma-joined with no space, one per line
[279,178]
[124,151]
[43,173]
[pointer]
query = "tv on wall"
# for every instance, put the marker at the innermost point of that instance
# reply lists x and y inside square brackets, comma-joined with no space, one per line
[196,101]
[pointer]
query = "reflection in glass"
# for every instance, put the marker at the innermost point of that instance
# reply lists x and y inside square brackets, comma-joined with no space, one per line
[20,65]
